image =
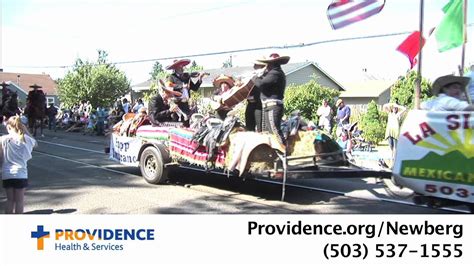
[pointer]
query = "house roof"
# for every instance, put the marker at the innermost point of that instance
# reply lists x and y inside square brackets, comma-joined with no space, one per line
[242,72]
[366,88]
[48,85]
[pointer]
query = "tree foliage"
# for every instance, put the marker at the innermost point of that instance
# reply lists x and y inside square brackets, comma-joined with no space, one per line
[101,83]
[403,91]
[195,67]
[307,98]
[373,123]
[157,71]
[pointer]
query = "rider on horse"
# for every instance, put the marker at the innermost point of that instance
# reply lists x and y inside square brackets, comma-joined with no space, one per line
[35,107]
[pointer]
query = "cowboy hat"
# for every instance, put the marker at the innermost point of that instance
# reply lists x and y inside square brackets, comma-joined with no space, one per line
[338,102]
[275,59]
[443,81]
[223,78]
[35,86]
[178,63]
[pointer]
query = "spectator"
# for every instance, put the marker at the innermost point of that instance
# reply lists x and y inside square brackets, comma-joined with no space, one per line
[392,131]
[101,117]
[343,113]
[17,147]
[138,105]
[325,113]
[51,112]
[125,105]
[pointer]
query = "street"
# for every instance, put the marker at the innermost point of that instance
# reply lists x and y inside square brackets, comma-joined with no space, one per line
[70,173]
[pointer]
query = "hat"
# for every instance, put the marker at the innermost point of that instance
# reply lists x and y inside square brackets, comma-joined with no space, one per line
[178,63]
[275,59]
[35,86]
[338,102]
[223,78]
[441,82]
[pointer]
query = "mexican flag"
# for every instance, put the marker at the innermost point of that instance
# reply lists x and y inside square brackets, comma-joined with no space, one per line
[450,32]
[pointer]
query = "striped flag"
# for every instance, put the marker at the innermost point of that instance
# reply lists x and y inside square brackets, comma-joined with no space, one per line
[345,12]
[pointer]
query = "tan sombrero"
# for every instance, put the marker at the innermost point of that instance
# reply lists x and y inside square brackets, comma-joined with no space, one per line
[35,86]
[178,63]
[223,78]
[441,82]
[275,59]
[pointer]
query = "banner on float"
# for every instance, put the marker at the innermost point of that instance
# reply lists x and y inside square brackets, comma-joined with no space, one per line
[237,240]
[435,154]
[124,149]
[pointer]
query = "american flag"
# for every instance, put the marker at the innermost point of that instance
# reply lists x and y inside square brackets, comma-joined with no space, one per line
[345,12]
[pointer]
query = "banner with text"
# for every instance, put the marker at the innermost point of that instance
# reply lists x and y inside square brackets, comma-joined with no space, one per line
[237,240]
[435,154]
[125,149]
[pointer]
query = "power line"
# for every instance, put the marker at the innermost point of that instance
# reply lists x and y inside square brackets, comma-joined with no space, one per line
[300,45]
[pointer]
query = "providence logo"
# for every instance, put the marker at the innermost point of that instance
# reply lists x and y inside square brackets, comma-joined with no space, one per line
[91,239]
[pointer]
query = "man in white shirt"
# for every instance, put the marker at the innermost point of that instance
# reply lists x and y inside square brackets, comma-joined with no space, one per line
[450,90]
[324,112]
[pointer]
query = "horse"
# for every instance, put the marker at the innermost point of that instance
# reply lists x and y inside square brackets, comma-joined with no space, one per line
[36,109]
[36,115]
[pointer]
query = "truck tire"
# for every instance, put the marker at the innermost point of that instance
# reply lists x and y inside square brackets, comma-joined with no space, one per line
[152,166]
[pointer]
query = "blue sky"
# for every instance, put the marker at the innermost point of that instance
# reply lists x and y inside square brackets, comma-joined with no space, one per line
[39,33]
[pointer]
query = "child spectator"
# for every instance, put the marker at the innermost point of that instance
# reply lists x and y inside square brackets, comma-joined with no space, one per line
[17,147]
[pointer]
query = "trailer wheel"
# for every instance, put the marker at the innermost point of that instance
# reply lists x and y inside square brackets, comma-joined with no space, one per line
[152,166]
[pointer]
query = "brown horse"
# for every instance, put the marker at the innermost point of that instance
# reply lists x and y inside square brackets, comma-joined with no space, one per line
[36,109]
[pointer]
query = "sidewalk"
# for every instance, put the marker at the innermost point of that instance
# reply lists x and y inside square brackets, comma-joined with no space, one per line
[370,159]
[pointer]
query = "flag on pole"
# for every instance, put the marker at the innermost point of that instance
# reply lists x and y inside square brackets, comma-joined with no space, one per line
[411,47]
[345,12]
[450,32]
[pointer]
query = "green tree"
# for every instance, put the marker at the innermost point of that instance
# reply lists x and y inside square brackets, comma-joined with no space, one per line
[403,91]
[157,72]
[307,98]
[101,83]
[373,123]
[195,67]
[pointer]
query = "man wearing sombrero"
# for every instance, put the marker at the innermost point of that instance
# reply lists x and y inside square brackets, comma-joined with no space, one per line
[272,89]
[449,91]
[181,81]
[222,83]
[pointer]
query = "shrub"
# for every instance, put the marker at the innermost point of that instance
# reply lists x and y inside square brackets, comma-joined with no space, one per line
[307,98]
[373,123]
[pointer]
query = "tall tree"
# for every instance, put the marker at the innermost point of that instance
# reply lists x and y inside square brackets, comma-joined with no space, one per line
[157,71]
[101,83]
[403,90]
[195,67]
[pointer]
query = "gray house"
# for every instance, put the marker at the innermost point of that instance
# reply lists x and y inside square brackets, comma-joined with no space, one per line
[296,73]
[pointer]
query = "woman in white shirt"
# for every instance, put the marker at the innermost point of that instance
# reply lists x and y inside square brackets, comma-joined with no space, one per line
[17,147]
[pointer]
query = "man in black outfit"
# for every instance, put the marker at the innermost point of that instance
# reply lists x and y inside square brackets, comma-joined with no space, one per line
[253,112]
[272,89]
[181,82]
[160,110]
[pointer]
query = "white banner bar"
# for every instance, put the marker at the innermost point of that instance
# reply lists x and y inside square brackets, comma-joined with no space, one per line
[237,240]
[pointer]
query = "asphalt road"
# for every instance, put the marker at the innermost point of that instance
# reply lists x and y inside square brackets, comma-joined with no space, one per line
[70,173]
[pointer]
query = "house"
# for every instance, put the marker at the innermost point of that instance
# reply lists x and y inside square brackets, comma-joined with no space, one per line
[21,82]
[359,94]
[296,73]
